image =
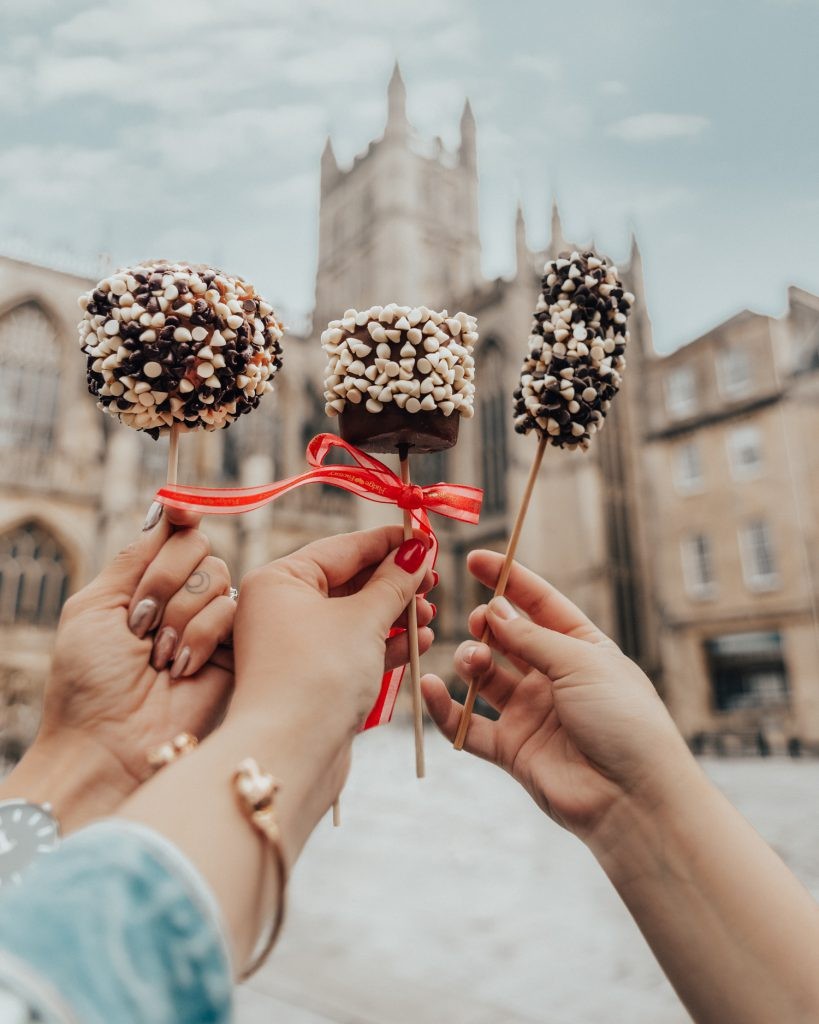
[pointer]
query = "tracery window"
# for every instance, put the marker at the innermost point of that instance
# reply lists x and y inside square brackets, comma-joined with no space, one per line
[493,411]
[34,576]
[29,369]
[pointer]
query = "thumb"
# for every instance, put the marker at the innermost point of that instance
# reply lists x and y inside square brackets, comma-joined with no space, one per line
[394,583]
[554,654]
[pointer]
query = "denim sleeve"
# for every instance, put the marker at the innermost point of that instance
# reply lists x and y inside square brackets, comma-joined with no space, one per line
[121,927]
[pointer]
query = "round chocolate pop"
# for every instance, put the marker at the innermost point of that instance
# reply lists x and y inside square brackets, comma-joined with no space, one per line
[576,351]
[400,377]
[177,343]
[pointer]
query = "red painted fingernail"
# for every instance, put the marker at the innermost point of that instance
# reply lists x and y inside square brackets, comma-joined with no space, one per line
[435,578]
[434,608]
[410,555]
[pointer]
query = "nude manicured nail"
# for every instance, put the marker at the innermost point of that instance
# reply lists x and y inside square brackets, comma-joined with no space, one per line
[153,517]
[164,648]
[143,617]
[468,654]
[501,607]
[180,663]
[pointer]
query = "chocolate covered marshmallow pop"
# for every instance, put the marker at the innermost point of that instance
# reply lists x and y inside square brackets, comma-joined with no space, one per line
[569,377]
[400,379]
[177,346]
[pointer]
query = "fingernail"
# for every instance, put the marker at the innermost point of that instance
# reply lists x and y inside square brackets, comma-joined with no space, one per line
[435,578]
[153,517]
[501,607]
[180,663]
[469,654]
[434,608]
[410,555]
[164,647]
[143,616]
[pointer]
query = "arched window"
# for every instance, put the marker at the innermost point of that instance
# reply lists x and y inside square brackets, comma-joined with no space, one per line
[429,469]
[494,412]
[29,368]
[34,576]
[316,422]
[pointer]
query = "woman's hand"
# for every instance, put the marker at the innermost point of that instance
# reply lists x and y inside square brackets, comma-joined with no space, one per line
[580,725]
[311,647]
[138,659]
[311,636]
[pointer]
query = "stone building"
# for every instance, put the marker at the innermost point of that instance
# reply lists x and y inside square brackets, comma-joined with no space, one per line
[734,494]
[401,224]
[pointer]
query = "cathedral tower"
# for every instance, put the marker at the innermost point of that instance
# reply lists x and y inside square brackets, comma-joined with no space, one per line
[400,224]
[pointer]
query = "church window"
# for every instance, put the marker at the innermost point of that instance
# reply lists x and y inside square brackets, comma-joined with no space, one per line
[34,576]
[29,371]
[493,413]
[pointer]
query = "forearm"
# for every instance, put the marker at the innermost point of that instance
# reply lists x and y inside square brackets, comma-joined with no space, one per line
[733,929]
[193,803]
[74,774]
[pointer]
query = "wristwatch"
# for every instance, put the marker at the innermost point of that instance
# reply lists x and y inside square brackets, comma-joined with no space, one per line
[26,830]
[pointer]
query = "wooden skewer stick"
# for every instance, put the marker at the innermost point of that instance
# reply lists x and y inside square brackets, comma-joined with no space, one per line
[336,813]
[173,455]
[500,589]
[412,621]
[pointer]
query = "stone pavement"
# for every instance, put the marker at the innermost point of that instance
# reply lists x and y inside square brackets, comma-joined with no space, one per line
[454,901]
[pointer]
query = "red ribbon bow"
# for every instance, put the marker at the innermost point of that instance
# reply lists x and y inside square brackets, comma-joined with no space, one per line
[369,478]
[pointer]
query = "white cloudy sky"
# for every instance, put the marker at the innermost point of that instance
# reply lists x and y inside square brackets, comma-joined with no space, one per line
[194,128]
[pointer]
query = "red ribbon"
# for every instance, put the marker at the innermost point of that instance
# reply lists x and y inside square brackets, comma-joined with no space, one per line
[369,478]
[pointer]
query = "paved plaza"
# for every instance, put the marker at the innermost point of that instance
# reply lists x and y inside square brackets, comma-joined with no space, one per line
[455,901]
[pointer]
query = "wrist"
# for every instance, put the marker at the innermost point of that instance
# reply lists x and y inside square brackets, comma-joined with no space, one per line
[74,773]
[644,830]
[309,760]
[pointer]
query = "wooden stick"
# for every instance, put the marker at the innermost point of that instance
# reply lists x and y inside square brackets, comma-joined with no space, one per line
[173,455]
[337,813]
[412,621]
[500,589]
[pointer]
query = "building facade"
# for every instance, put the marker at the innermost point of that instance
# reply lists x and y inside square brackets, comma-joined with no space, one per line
[734,486]
[709,584]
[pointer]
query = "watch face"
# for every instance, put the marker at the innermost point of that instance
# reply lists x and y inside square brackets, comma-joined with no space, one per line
[26,830]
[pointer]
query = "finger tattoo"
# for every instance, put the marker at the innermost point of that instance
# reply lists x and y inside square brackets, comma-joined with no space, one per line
[198,582]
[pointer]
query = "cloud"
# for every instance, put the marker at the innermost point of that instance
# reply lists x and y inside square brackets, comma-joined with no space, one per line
[550,68]
[658,127]
[612,87]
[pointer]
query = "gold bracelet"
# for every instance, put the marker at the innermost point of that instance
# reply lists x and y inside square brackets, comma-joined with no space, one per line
[255,791]
[168,752]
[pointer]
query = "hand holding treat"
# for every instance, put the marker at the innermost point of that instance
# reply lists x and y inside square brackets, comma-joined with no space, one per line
[568,379]
[173,344]
[400,378]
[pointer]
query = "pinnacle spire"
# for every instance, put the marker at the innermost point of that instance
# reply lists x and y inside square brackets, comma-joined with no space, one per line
[329,165]
[467,151]
[396,101]
[635,256]
[522,255]
[557,241]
